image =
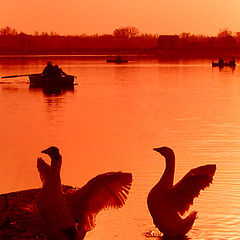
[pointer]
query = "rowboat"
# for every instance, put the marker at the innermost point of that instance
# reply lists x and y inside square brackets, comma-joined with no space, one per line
[39,80]
[226,64]
[116,61]
[52,78]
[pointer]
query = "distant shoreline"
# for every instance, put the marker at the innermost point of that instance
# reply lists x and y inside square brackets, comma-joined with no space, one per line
[211,54]
[124,41]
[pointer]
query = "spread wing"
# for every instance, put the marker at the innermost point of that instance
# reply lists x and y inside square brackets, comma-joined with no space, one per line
[190,185]
[43,169]
[107,190]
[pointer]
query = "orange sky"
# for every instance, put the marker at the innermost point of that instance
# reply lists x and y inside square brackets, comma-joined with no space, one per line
[103,16]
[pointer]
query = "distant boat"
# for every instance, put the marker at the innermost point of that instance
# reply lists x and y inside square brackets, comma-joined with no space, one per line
[118,60]
[39,80]
[226,64]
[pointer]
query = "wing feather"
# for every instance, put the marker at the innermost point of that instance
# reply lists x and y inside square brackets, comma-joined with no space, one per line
[107,190]
[43,169]
[190,185]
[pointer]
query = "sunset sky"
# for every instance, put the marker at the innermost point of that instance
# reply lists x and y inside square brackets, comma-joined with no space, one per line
[103,16]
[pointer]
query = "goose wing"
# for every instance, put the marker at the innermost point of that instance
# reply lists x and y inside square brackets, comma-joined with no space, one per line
[190,186]
[43,169]
[107,190]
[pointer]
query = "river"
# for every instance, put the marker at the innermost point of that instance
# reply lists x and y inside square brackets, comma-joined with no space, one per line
[111,121]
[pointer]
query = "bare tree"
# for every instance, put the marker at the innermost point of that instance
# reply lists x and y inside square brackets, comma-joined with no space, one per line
[224,33]
[126,32]
[8,31]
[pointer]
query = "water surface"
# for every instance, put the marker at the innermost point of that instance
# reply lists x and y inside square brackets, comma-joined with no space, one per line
[112,120]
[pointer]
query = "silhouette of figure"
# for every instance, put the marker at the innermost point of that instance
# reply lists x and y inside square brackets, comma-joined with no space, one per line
[48,70]
[232,62]
[220,62]
[59,72]
[118,58]
[167,201]
[71,215]
[53,71]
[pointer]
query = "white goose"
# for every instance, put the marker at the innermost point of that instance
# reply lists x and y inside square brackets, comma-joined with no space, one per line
[167,201]
[71,215]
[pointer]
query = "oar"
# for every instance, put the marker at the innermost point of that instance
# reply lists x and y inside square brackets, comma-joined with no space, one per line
[13,76]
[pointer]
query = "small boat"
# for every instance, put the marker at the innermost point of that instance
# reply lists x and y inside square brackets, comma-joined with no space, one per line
[230,64]
[52,77]
[39,80]
[226,64]
[118,60]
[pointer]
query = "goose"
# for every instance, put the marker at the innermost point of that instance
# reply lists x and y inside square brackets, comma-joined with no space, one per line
[167,202]
[72,215]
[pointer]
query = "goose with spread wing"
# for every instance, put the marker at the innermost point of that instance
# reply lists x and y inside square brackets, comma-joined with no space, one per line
[167,202]
[71,215]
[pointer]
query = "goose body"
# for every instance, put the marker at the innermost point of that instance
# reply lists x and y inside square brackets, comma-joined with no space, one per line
[70,216]
[51,201]
[167,202]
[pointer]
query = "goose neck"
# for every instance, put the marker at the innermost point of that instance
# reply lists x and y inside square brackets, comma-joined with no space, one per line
[168,175]
[56,163]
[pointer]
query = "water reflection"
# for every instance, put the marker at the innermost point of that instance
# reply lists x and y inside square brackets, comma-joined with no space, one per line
[158,235]
[54,91]
[175,238]
[5,82]
[9,88]
[54,98]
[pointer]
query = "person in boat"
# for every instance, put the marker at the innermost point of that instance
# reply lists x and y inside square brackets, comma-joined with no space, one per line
[220,62]
[232,61]
[53,71]
[59,72]
[118,58]
[48,70]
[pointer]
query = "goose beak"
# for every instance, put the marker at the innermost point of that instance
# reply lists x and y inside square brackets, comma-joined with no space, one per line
[156,149]
[44,151]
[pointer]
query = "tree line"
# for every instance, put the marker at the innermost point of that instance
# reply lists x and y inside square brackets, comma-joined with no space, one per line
[122,40]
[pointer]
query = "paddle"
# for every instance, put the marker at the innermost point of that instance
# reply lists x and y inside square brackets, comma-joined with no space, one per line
[22,75]
[12,76]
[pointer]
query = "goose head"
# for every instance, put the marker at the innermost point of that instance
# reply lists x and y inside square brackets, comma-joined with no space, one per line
[165,151]
[53,153]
